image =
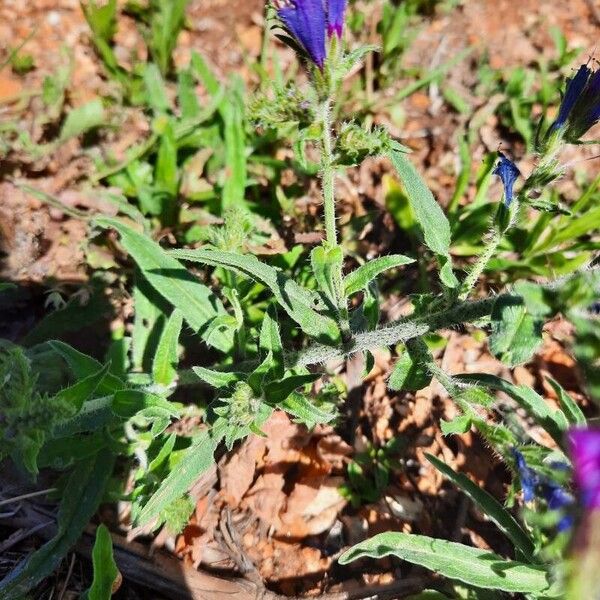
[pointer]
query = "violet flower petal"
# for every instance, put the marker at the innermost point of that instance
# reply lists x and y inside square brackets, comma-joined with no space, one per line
[305,20]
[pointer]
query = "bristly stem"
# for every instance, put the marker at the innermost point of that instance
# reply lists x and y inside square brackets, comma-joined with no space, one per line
[328,190]
[328,176]
[498,232]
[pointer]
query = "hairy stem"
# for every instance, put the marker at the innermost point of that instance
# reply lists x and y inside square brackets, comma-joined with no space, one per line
[327,182]
[397,331]
[498,232]
[327,176]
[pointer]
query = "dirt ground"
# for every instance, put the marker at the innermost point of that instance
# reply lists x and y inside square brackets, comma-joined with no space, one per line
[271,510]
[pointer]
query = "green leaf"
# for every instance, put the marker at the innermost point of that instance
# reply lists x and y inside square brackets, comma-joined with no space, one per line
[170,279]
[156,93]
[101,19]
[431,218]
[458,425]
[164,368]
[186,95]
[305,411]
[572,411]
[278,391]
[360,278]
[150,309]
[516,334]
[166,174]
[298,302]
[218,379]
[409,375]
[106,573]
[555,423]
[204,73]
[480,568]
[81,119]
[270,341]
[232,111]
[127,403]
[81,497]
[411,372]
[326,265]
[490,507]
[80,392]
[353,58]
[84,366]
[197,459]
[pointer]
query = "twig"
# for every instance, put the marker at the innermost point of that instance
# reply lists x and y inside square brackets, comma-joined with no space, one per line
[68,577]
[26,496]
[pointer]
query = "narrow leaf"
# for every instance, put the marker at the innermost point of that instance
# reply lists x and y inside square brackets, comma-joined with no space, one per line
[218,379]
[298,302]
[197,459]
[480,568]
[81,119]
[127,403]
[84,366]
[572,411]
[164,368]
[80,392]
[361,277]
[299,406]
[490,507]
[106,574]
[170,279]
[278,391]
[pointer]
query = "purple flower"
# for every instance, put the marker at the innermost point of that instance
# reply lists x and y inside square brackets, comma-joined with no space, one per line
[585,452]
[573,91]
[309,22]
[508,173]
[529,478]
[335,17]
[580,107]
[306,21]
[535,485]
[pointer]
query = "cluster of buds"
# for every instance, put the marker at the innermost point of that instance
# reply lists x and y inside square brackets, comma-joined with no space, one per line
[310,23]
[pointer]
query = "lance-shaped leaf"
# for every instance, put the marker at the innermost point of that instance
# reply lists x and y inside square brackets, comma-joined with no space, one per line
[278,391]
[431,218]
[326,265]
[165,360]
[306,412]
[298,302]
[270,341]
[172,281]
[473,566]
[106,574]
[360,278]
[198,458]
[490,507]
[218,379]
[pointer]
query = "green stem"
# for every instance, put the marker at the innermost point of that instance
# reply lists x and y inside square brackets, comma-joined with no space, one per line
[331,241]
[328,176]
[498,232]
[480,265]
